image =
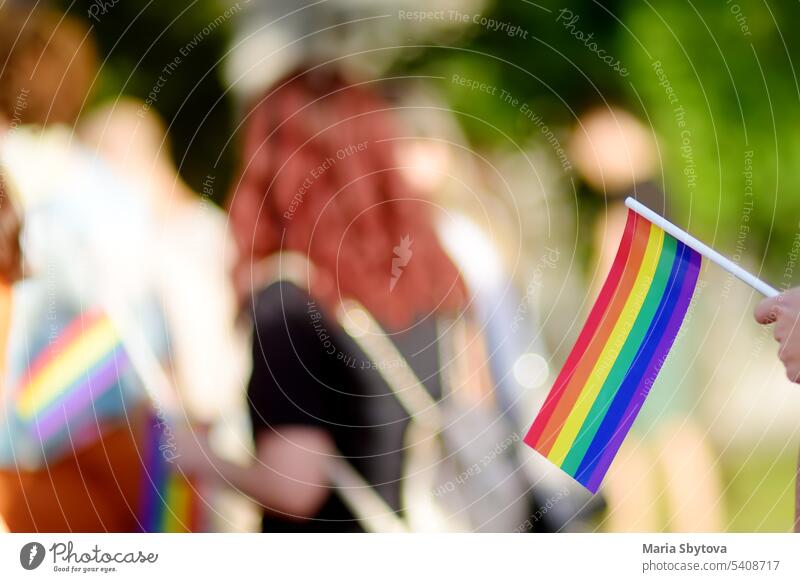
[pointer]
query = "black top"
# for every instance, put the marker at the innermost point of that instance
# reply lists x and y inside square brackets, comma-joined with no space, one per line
[308,371]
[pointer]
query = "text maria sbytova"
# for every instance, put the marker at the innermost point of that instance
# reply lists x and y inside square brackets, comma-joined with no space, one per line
[683,549]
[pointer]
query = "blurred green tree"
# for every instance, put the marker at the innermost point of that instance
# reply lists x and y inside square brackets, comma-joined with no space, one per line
[731,166]
[716,81]
[546,65]
[137,40]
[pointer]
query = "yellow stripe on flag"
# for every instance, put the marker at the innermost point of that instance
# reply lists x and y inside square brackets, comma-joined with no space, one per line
[177,513]
[67,368]
[612,349]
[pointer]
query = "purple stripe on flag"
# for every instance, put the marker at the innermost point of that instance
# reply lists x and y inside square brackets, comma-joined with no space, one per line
[654,367]
[154,479]
[82,394]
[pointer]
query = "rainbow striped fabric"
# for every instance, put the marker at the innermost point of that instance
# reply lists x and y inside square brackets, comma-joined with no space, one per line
[618,354]
[67,379]
[170,502]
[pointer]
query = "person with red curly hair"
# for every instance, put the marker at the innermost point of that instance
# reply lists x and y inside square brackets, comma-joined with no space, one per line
[320,178]
[322,217]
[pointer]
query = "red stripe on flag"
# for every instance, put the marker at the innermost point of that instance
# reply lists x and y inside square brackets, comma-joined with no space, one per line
[598,312]
[597,343]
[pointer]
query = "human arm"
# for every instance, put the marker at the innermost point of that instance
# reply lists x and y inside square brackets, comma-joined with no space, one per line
[289,400]
[783,311]
[288,475]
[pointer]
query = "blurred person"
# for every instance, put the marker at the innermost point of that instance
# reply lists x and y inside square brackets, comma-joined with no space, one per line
[667,456]
[783,312]
[322,216]
[10,258]
[207,352]
[437,161]
[39,50]
[483,228]
[76,252]
[49,66]
[10,271]
[346,31]
[194,256]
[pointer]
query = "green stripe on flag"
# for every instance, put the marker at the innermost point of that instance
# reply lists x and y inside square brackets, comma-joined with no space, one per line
[626,357]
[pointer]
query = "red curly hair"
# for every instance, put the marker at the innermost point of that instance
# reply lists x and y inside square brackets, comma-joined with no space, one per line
[320,177]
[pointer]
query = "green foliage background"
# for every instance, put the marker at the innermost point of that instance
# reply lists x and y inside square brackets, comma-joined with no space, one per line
[136,41]
[739,90]
[741,94]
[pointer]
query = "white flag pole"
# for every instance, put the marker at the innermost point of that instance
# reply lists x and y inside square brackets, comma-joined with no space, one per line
[155,380]
[701,248]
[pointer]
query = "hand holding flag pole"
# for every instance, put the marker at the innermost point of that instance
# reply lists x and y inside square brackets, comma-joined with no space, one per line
[623,344]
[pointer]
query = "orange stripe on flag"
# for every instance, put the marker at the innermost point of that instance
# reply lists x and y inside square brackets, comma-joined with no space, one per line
[641,236]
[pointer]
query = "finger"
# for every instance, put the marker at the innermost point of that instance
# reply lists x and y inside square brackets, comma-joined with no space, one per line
[792,323]
[767,311]
[793,373]
[783,355]
[779,332]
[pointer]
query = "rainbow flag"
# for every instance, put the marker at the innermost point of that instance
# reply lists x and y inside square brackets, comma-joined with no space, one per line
[69,376]
[618,354]
[170,502]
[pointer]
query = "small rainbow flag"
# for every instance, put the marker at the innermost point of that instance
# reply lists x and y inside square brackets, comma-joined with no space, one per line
[618,354]
[170,502]
[68,377]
